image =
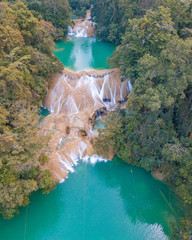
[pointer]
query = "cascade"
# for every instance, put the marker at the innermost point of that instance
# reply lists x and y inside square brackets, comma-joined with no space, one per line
[82,27]
[70,31]
[86,93]
[76,99]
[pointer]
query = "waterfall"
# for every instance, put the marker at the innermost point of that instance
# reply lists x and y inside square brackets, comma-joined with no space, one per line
[81,32]
[83,27]
[67,165]
[70,31]
[86,93]
[129,86]
[76,99]
[121,93]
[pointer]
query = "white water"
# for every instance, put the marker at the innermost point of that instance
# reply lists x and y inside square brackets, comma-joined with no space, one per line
[78,31]
[88,93]
[70,31]
[69,160]
[78,53]
[83,27]
[81,32]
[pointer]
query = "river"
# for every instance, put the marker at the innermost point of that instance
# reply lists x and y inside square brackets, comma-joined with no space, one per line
[103,201]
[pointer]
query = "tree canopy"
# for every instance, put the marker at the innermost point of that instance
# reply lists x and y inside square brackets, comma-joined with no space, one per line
[155,52]
[26,67]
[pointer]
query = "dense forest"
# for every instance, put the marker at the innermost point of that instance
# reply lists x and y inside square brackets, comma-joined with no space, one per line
[155,52]
[26,67]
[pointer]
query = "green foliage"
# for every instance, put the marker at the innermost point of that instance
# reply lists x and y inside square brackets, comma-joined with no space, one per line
[55,11]
[24,70]
[19,165]
[26,64]
[15,194]
[46,182]
[155,130]
[185,233]
[146,35]
[135,139]
[112,16]
[43,159]
[79,7]
[181,15]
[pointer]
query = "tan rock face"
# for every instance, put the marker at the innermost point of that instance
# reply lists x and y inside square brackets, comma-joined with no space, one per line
[74,98]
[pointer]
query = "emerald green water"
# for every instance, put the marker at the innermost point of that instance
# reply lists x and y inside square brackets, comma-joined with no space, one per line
[99,124]
[107,201]
[110,200]
[84,53]
[43,112]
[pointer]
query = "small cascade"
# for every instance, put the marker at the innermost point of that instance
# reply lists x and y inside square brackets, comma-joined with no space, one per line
[121,93]
[67,167]
[94,159]
[98,114]
[83,27]
[79,32]
[70,31]
[129,86]
[70,158]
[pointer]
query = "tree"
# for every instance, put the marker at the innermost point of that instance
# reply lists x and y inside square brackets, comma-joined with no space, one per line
[26,65]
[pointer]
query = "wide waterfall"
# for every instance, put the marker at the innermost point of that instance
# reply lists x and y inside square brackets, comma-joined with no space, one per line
[87,93]
[75,100]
